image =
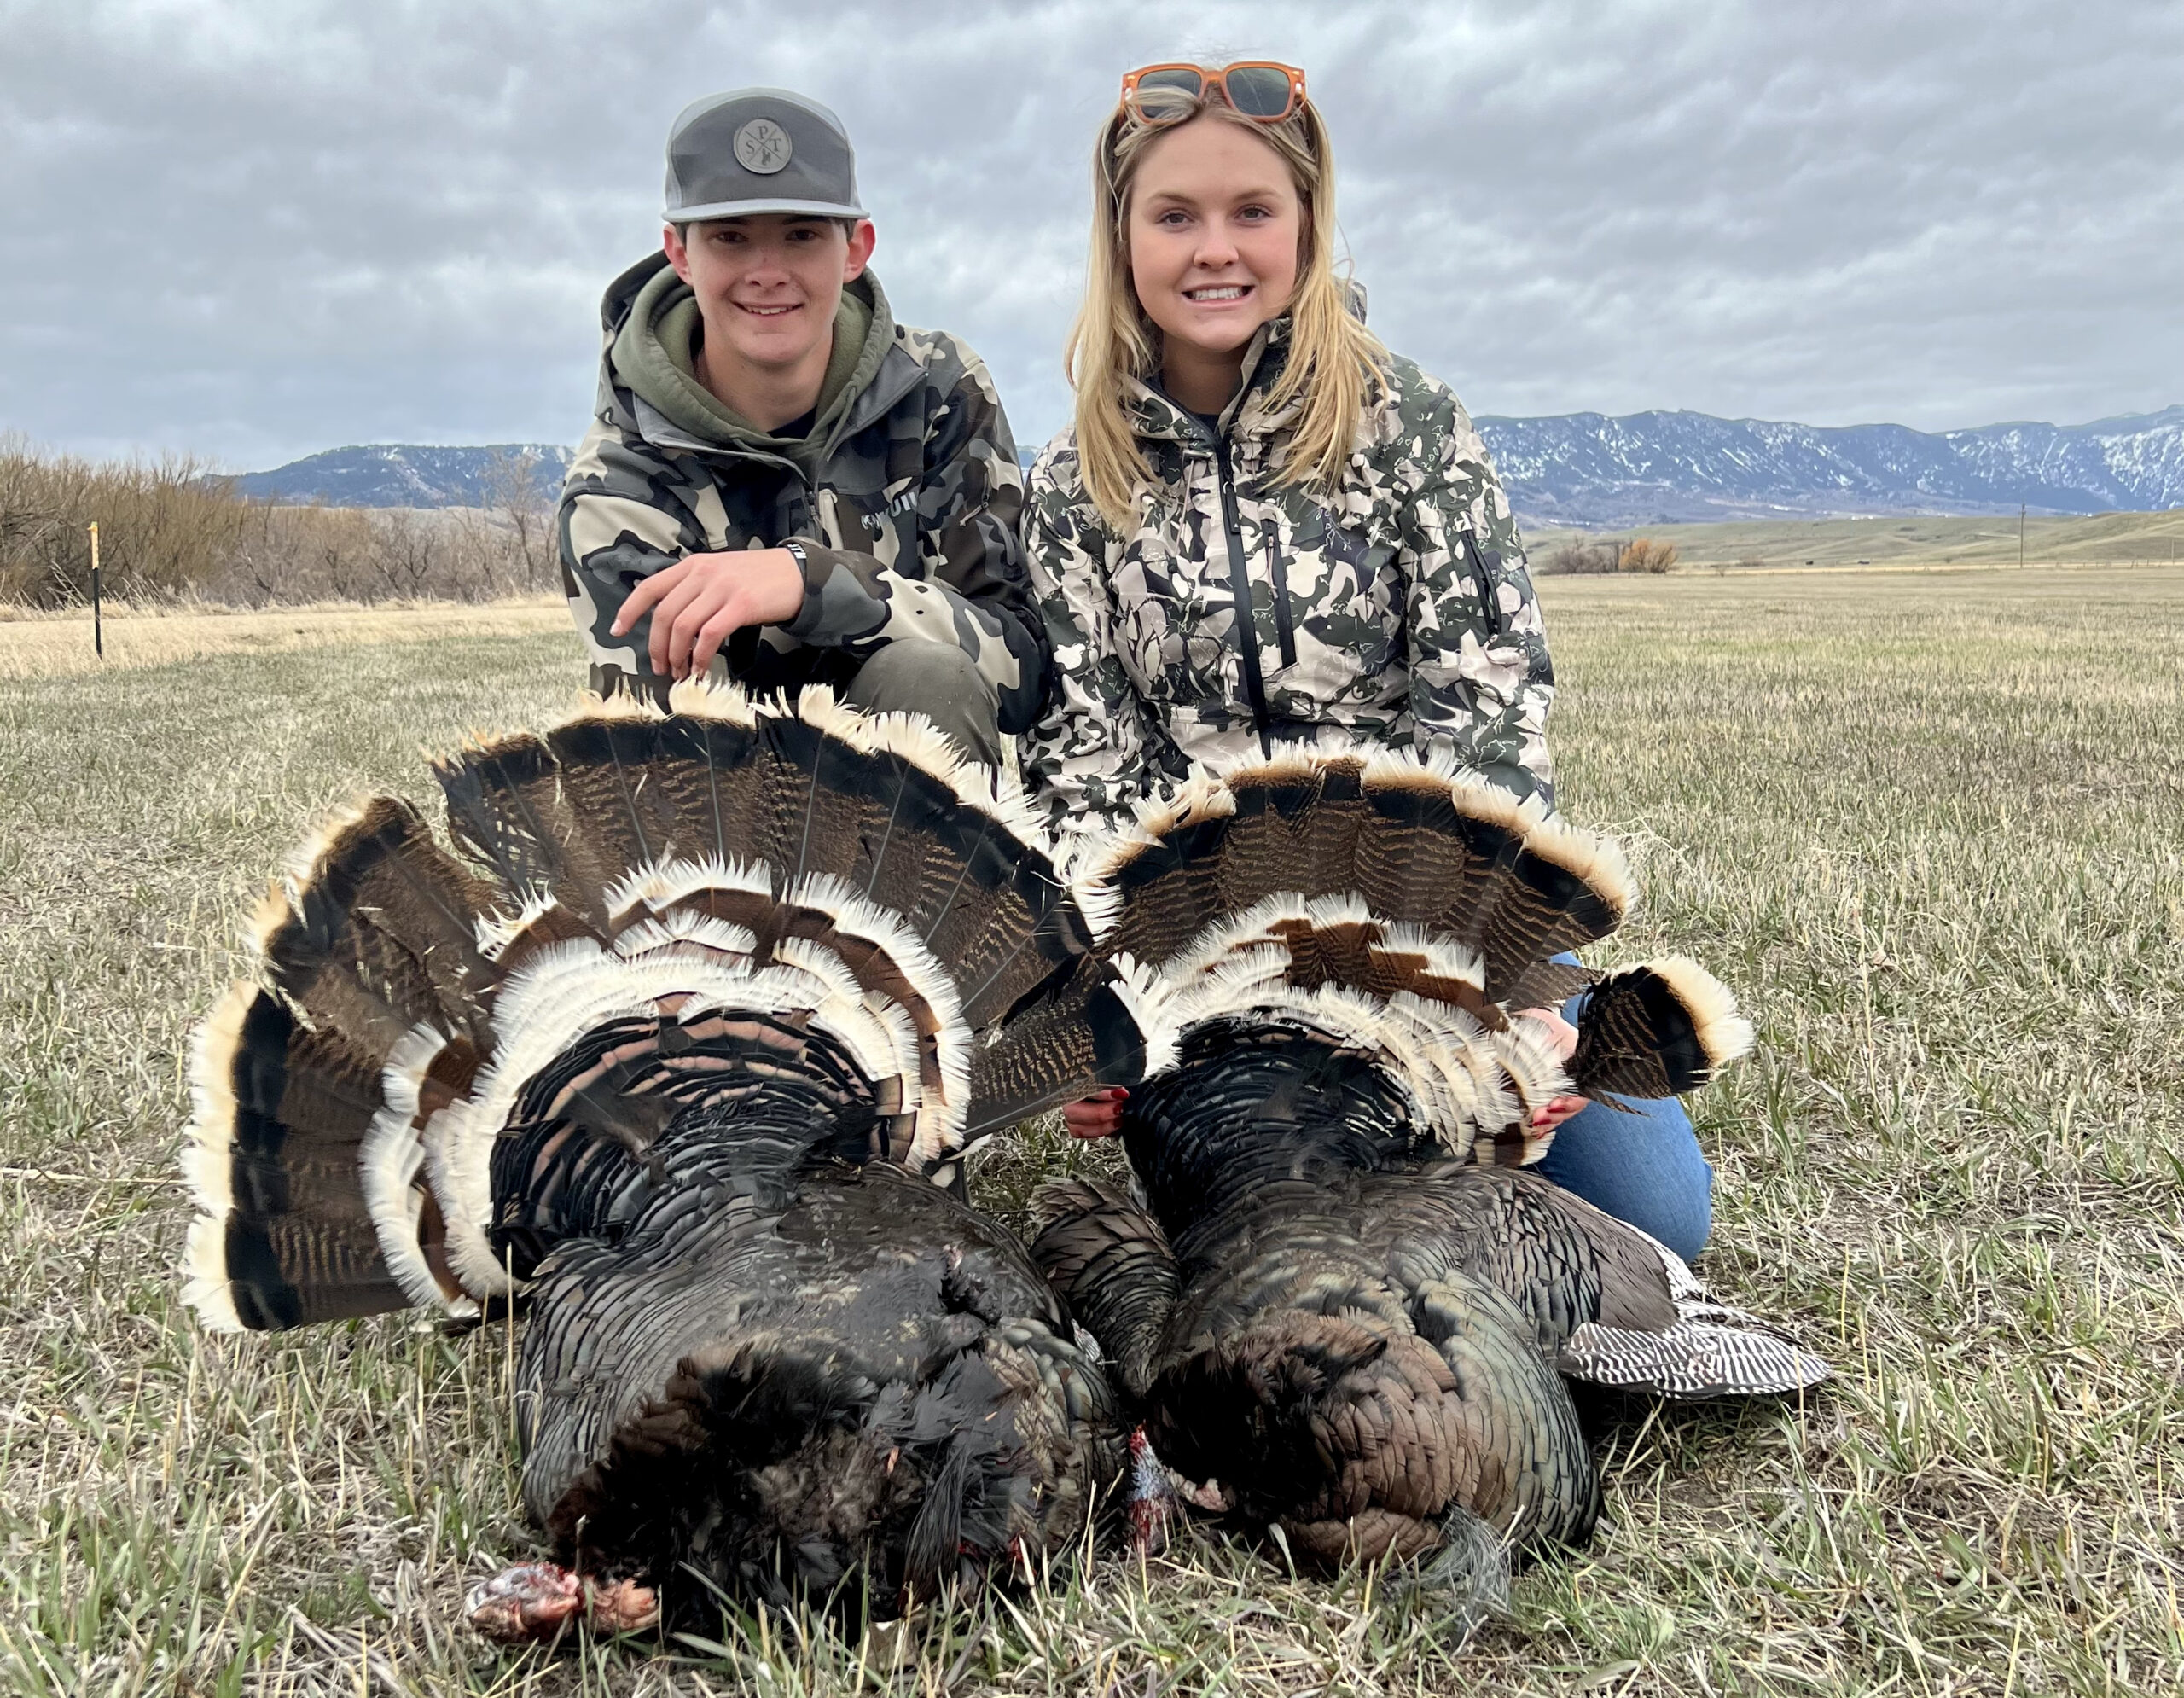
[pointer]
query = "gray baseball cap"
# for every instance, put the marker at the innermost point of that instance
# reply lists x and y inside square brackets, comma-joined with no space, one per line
[760,150]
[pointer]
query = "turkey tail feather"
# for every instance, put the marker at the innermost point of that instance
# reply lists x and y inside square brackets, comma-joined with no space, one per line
[284,1235]
[1103,1026]
[1657,1029]
[373,939]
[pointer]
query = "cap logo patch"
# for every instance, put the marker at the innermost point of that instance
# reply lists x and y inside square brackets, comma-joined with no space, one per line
[762,147]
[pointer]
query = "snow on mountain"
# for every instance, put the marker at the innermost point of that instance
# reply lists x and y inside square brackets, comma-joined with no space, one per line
[405,475]
[1584,468]
[1580,469]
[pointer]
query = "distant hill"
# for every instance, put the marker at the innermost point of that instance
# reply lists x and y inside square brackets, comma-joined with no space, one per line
[1586,469]
[403,474]
[1580,469]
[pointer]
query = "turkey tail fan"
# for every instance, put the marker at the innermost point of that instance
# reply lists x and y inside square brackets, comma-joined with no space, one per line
[1553,889]
[1221,843]
[1436,839]
[1657,1029]
[1393,901]
[566,813]
[668,908]
[376,929]
[1111,1265]
[885,805]
[1296,823]
[297,1146]
[1549,984]
[1413,840]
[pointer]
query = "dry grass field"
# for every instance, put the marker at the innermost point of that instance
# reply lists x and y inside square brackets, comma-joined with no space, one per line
[1899,539]
[1931,826]
[43,645]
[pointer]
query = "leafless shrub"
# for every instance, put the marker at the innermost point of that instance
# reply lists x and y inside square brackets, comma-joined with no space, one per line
[1579,558]
[512,496]
[290,554]
[163,525]
[1644,554]
[168,529]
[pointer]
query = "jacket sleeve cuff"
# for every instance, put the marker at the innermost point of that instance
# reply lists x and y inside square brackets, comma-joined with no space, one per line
[840,604]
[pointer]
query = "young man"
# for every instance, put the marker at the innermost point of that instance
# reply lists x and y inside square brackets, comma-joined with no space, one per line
[783,485]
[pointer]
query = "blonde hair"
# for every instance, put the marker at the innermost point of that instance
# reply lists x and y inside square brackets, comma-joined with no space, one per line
[1332,356]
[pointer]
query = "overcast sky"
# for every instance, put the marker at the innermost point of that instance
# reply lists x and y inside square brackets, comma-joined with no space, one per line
[256,229]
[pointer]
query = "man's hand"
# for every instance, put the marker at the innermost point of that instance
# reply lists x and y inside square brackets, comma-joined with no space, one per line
[702,600]
[1564,1037]
[1096,1117]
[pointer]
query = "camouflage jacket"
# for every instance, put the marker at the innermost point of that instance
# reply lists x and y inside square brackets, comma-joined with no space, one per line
[1398,613]
[907,500]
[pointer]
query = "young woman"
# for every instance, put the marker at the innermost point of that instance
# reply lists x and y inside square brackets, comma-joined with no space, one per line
[1264,528]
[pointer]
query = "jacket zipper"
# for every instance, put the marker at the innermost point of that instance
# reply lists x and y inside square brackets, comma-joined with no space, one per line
[1285,631]
[1240,585]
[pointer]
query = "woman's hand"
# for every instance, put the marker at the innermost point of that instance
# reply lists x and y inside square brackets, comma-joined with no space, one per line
[1095,1117]
[1564,1036]
[702,600]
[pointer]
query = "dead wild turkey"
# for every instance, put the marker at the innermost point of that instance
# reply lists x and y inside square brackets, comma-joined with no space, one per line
[1342,1298]
[679,1056]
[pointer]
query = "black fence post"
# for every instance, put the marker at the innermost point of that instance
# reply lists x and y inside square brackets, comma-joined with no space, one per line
[98,625]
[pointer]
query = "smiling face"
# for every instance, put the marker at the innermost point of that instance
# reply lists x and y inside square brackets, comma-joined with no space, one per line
[767,285]
[1216,228]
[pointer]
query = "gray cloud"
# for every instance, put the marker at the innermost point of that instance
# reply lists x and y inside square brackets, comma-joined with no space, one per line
[256,231]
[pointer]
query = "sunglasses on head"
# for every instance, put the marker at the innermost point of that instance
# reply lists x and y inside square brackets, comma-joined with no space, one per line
[1256,89]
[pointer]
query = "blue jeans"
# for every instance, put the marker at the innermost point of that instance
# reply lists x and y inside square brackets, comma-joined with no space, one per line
[1643,1168]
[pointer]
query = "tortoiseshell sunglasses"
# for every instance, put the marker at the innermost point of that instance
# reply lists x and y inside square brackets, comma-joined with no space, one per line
[1258,88]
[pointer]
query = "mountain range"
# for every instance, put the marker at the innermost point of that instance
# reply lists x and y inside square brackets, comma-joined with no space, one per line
[1583,469]
[1586,469]
[408,474]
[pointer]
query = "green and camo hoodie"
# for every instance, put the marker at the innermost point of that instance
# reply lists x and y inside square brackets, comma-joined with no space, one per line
[1396,613]
[906,495]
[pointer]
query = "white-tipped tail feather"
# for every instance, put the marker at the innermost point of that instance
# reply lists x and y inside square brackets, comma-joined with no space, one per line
[1599,861]
[390,1159]
[208,1158]
[1723,1033]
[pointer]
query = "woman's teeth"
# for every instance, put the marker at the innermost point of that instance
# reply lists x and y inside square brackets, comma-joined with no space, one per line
[1226,292]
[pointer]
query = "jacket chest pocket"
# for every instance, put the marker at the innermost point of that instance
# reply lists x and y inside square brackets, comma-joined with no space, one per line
[1338,606]
[1173,622]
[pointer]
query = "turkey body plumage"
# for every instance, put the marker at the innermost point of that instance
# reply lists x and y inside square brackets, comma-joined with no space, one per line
[1338,1293]
[682,1055]
[799,1373]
